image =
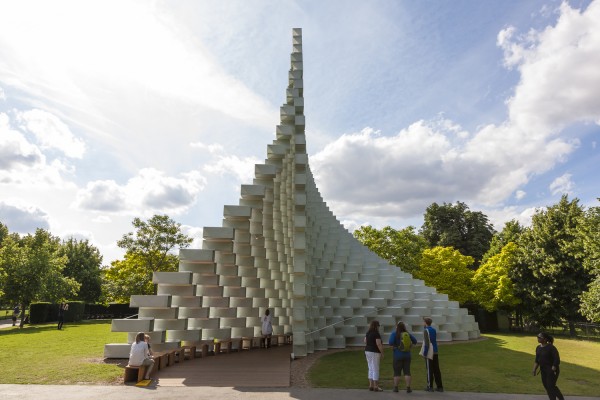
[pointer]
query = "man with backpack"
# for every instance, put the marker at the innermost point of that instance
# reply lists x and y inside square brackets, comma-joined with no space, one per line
[402,341]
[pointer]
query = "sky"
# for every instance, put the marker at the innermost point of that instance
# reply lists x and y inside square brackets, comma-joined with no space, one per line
[111,110]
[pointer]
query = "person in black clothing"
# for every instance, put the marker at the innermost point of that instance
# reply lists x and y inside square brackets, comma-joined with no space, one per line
[61,314]
[547,360]
[15,315]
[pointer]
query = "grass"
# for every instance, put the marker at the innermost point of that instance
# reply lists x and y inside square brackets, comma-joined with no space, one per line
[42,354]
[502,364]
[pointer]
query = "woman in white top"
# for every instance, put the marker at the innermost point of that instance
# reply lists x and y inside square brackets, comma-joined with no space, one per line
[267,329]
[139,356]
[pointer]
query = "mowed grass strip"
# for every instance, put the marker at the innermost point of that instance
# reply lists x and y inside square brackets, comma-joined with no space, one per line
[41,354]
[501,363]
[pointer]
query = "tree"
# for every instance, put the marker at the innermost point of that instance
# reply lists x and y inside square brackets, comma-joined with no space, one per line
[149,249]
[34,270]
[402,248]
[83,264]
[550,276]
[456,226]
[510,233]
[153,241]
[590,239]
[127,277]
[448,271]
[3,234]
[590,301]
[492,286]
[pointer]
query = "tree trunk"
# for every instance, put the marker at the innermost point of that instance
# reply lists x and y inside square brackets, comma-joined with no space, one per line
[22,322]
[572,331]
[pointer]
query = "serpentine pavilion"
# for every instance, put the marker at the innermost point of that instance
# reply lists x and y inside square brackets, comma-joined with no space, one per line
[282,248]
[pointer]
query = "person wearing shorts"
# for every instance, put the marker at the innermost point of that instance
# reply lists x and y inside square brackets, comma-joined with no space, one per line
[402,357]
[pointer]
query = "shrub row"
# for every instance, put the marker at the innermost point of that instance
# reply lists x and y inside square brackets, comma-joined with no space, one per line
[78,310]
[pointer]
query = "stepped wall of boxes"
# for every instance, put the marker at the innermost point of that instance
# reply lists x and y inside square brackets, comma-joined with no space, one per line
[282,248]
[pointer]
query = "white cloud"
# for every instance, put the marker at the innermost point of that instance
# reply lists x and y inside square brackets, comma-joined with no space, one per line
[367,174]
[500,216]
[195,233]
[15,150]
[562,185]
[106,196]
[149,192]
[211,148]
[51,132]
[242,168]
[559,78]
[22,162]
[520,194]
[23,219]
[144,47]
[2,95]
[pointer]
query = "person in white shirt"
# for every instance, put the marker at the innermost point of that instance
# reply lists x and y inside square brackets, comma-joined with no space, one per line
[267,329]
[139,356]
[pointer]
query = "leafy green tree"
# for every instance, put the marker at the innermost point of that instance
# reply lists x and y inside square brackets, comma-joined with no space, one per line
[154,240]
[510,233]
[590,238]
[402,248]
[448,271]
[3,234]
[84,265]
[590,301]
[493,288]
[456,226]
[550,276]
[34,270]
[128,276]
[149,249]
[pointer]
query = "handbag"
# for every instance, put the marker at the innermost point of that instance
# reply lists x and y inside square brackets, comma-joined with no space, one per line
[429,354]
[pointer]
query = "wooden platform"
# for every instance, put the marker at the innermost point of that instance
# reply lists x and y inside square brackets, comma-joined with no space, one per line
[248,368]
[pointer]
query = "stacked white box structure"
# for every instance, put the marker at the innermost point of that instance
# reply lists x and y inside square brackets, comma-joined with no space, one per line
[282,248]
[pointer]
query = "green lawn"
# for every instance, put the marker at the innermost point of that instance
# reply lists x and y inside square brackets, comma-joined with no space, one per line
[42,354]
[502,364]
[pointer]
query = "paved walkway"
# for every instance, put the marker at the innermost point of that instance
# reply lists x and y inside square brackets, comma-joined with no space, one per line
[249,368]
[71,392]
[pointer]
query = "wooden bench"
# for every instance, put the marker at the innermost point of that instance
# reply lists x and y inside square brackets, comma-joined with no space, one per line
[191,350]
[164,359]
[133,373]
[248,343]
[289,338]
[197,348]
[223,345]
[204,347]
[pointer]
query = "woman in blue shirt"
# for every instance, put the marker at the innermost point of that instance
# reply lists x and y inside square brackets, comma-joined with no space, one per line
[401,341]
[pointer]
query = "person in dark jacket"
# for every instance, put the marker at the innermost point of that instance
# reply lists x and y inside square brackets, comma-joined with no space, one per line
[433,366]
[547,361]
[61,314]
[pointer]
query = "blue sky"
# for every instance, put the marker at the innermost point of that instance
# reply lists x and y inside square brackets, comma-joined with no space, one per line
[111,110]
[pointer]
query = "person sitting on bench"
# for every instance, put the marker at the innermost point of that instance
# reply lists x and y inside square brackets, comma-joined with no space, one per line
[147,340]
[139,356]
